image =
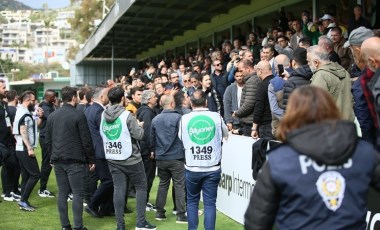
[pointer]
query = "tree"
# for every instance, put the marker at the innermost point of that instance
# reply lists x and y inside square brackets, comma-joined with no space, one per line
[85,16]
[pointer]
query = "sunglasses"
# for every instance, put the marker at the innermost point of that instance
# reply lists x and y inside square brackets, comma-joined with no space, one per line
[219,64]
[186,81]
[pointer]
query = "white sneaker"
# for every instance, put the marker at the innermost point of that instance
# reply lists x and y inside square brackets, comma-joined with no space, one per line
[8,198]
[45,193]
[70,197]
[150,207]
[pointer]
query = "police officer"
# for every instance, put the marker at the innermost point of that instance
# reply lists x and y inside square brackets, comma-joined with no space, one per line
[201,132]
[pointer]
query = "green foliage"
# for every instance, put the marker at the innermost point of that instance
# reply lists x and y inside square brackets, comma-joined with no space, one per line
[83,22]
[46,216]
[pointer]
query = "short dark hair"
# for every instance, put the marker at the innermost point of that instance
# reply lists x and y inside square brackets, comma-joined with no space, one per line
[11,95]
[136,89]
[82,92]
[299,56]
[305,40]
[25,95]
[337,29]
[49,91]
[283,37]
[115,95]
[178,98]
[89,95]
[195,75]
[198,98]
[271,47]
[68,93]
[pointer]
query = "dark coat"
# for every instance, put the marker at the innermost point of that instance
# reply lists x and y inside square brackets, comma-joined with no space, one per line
[146,115]
[68,137]
[248,99]
[94,116]
[299,77]
[292,189]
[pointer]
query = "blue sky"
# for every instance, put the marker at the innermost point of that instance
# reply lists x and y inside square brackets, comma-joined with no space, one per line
[53,4]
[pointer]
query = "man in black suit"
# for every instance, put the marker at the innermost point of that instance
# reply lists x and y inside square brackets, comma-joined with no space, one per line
[101,202]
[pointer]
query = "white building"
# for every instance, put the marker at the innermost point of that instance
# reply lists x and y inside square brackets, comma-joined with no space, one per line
[15,34]
[61,21]
[16,16]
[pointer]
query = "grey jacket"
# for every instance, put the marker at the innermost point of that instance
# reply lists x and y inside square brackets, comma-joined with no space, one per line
[231,104]
[137,133]
[248,99]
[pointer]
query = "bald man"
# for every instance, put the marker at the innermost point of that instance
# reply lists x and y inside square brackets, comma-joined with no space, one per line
[370,51]
[170,158]
[262,116]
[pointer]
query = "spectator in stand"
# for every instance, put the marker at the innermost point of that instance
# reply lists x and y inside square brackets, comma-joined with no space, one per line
[136,100]
[169,154]
[313,35]
[254,46]
[343,53]
[145,114]
[164,79]
[358,20]
[248,95]
[232,98]
[157,80]
[289,33]
[237,44]
[187,87]
[212,97]
[195,79]
[160,89]
[268,55]
[262,116]
[275,90]
[182,105]
[298,34]
[283,47]
[333,78]
[304,42]
[219,81]
[305,192]
[327,45]
[361,88]
[300,76]
[326,21]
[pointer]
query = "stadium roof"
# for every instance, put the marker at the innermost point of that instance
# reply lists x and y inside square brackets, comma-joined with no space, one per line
[136,26]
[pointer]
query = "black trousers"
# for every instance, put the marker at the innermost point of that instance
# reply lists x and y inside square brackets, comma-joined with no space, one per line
[45,164]
[103,196]
[10,172]
[30,173]
[150,171]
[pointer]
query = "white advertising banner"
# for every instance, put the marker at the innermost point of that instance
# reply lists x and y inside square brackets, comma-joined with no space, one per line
[236,184]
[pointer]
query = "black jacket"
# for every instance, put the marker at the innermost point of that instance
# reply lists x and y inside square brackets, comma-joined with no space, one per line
[68,137]
[318,179]
[262,114]
[299,77]
[146,115]
[48,108]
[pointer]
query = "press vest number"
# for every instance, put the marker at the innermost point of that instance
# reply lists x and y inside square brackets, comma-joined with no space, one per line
[204,150]
[116,145]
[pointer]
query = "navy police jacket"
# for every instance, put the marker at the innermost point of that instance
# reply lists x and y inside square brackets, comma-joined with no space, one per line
[318,179]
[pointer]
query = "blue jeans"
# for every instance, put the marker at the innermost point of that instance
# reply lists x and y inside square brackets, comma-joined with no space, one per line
[70,176]
[120,175]
[207,182]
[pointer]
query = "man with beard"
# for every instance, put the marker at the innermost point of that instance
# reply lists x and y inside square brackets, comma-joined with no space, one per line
[69,140]
[25,131]
[333,78]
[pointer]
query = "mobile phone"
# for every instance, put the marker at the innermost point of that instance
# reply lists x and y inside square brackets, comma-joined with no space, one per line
[280,69]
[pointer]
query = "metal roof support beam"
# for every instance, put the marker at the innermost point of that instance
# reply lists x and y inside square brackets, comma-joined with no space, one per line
[113,53]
